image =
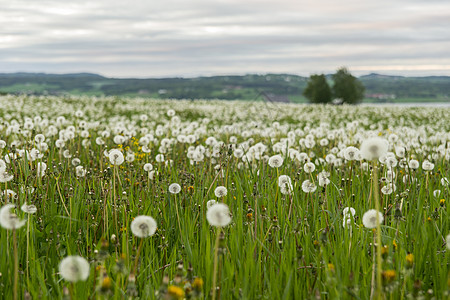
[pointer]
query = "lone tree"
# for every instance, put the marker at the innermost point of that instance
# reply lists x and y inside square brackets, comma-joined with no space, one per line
[317,90]
[347,87]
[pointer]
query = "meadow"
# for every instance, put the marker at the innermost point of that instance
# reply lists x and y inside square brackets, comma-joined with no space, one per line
[113,198]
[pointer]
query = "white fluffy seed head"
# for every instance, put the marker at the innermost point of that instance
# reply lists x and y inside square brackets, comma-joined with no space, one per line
[29,208]
[218,215]
[148,167]
[308,186]
[309,167]
[348,212]
[370,218]
[174,188]
[283,180]
[74,268]
[143,226]
[373,148]
[220,191]
[8,219]
[275,161]
[116,157]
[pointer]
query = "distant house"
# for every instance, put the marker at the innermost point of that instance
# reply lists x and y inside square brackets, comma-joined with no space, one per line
[269,97]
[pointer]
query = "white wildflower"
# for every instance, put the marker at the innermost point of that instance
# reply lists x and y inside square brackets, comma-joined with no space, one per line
[218,215]
[74,268]
[370,218]
[143,226]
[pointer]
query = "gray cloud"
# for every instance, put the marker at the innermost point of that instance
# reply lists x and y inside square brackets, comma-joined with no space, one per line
[199,37]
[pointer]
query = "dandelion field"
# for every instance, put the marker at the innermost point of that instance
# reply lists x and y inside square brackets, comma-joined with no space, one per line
[108,198]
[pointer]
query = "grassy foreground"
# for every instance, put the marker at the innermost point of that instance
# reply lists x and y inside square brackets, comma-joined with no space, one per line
[285,241]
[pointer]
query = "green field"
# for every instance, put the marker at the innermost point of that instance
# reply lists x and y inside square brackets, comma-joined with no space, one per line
[299,182]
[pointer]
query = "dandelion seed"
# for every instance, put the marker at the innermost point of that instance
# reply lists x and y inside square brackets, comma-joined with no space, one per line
[66,154]
[80,171]
[170,113]
[210,203]
[444,181]
[388,189]
[347,222]
[76,162]
[276,161]
[130,157]
[220,191]
[351,153]
[373,148]
[309,167]
[238,153]
[427,165]
[218,215]
[5,176]
[148,167]
[41,167]
[391,162]
[8,219]
[348,212]
[283,180]
[413,164]
[29,209]
[400,151]
[116,157]
[174,188]
[286,189]
[370,218]
[99,141]
[74,268]
[159,158]
[308,186]
[143,226]
[152,174]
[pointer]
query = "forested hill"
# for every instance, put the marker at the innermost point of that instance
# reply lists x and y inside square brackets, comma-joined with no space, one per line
[247,87]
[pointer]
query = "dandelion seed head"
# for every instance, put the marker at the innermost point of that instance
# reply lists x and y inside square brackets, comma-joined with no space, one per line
[174,188]
[348,212]
[413,164]
[275,161]
[283,180]
[309,167]
[148,167]
[8,219]
[308,186]
[74,268]
[427,165]
[220,191]
[370,218]
[29,208]
[218,215]
[143,226]
[116,157]
[373,148]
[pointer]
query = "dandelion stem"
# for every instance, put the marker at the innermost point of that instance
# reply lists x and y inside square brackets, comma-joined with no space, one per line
[16,265]
[178,216]
[216,262]
[136,261]
[28,250]
[378,235]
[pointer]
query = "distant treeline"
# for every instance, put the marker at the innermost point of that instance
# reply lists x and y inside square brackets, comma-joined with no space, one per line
[247,87]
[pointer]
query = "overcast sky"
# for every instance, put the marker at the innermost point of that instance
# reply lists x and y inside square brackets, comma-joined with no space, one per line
[160,38]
